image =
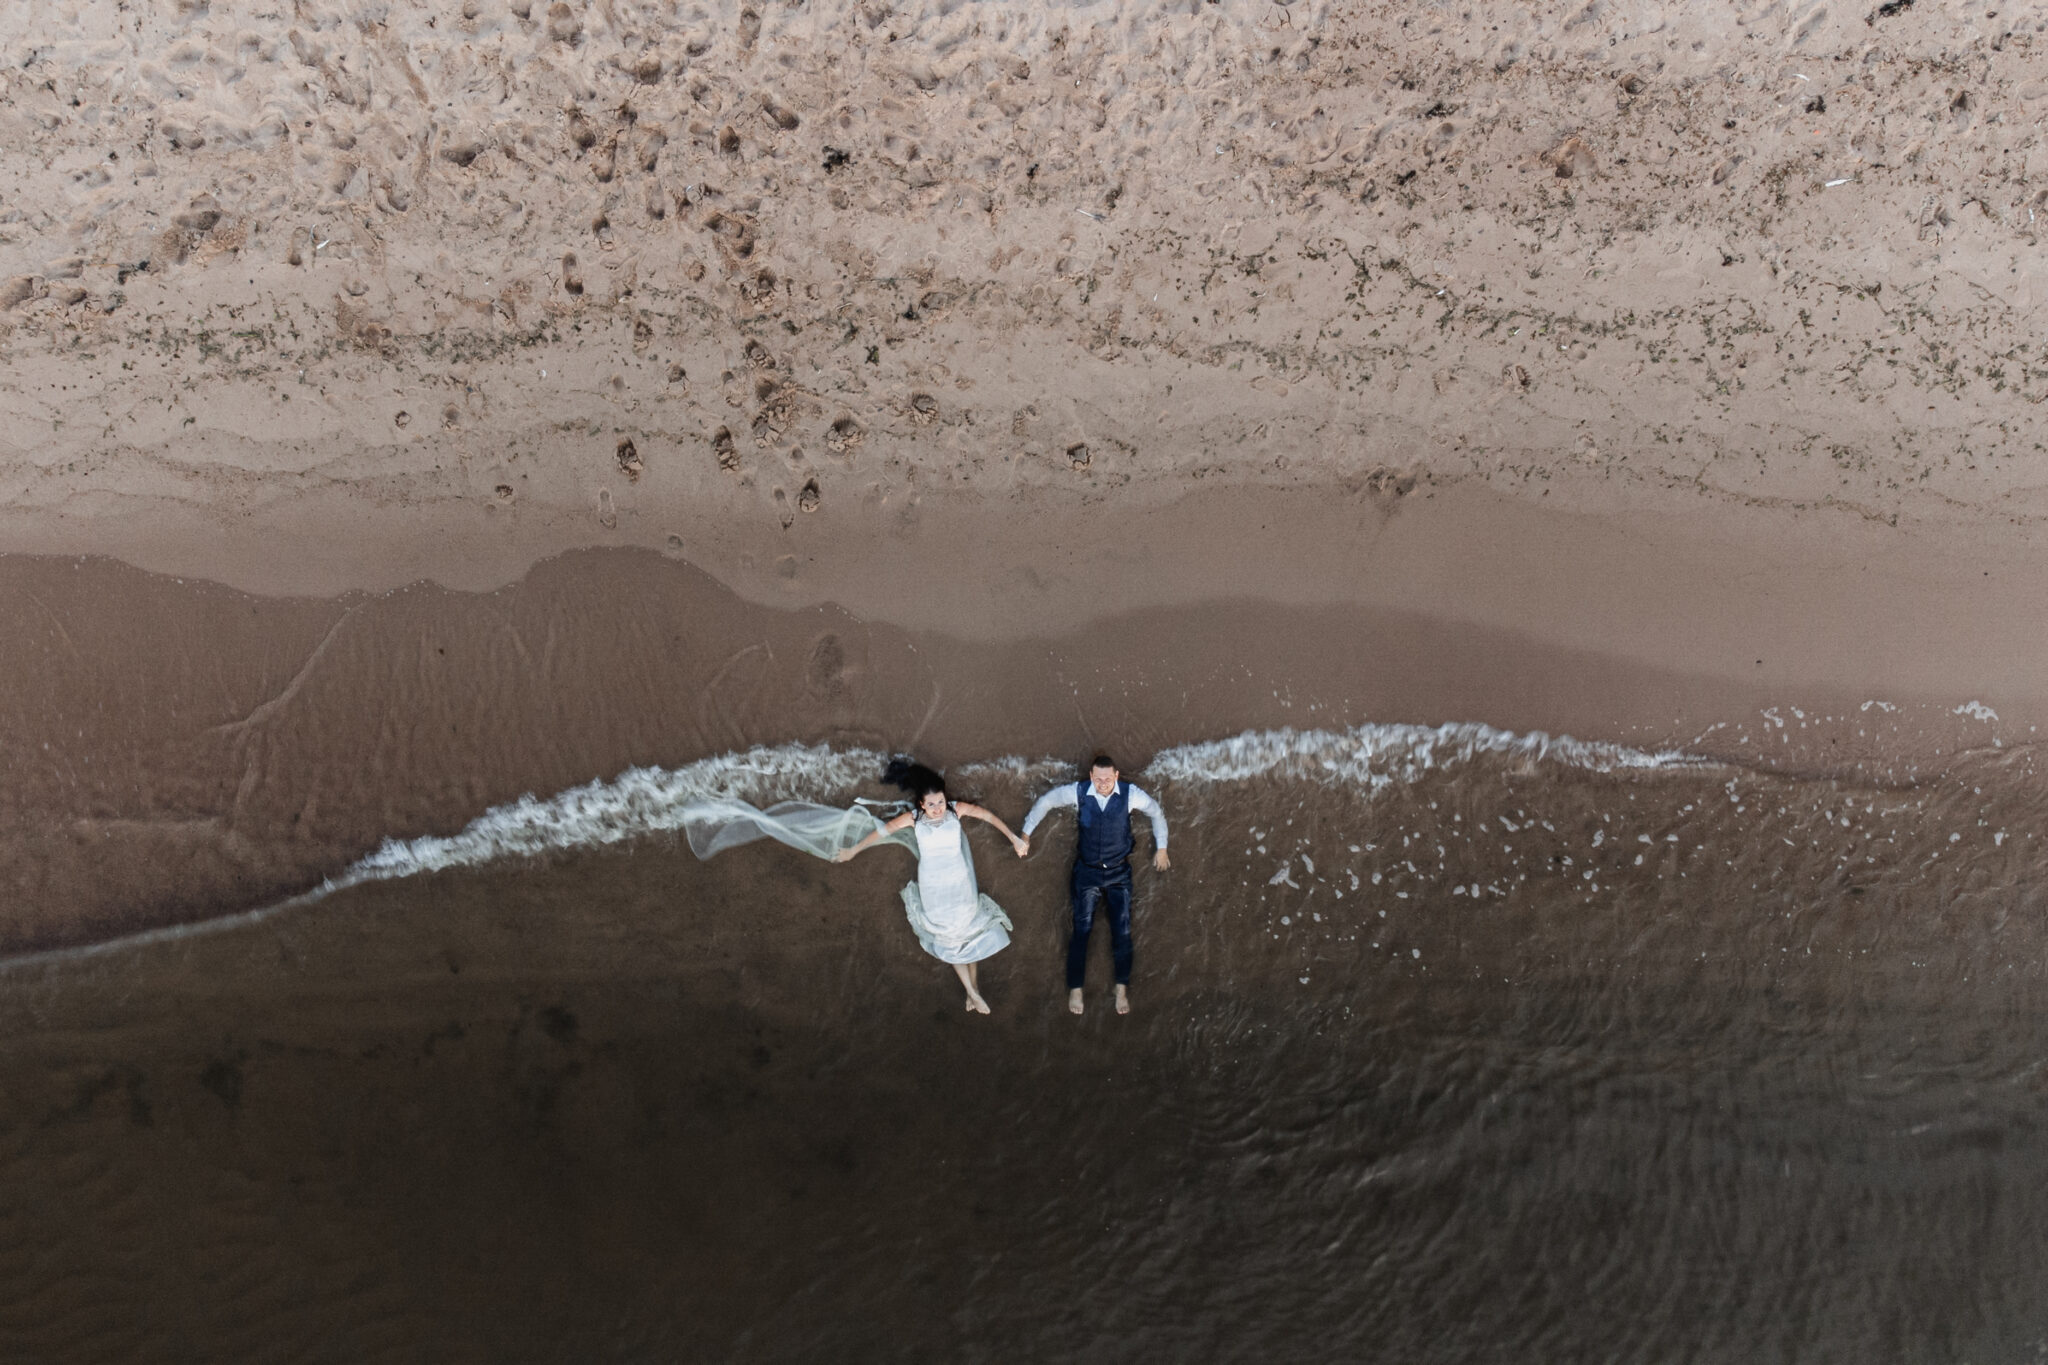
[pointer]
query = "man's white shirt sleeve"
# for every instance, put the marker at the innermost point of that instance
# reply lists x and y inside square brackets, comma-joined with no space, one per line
[1141,800]
[1062,797]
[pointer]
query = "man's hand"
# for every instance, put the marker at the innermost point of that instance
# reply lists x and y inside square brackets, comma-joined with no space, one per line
[1160,861]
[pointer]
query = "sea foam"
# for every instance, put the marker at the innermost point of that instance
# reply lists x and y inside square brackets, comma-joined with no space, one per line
[637,803]
[642,802]
[1375,757]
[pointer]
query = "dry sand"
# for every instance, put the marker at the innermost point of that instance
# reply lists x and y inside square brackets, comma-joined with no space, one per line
[1674,359]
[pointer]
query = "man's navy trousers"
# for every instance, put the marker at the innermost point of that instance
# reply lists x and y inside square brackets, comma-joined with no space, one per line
[1107,889]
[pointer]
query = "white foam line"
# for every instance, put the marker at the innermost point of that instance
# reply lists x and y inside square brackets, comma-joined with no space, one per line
[1378,756]
[638,802]
[643,801]
[1025,770]
[170,933]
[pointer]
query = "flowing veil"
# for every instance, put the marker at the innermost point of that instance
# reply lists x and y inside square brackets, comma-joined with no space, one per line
[713,826]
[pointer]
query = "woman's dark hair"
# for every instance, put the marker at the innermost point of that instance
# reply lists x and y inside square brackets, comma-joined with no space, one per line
[913,778]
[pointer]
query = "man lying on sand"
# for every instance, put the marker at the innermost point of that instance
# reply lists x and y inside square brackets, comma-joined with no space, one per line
[1103,804]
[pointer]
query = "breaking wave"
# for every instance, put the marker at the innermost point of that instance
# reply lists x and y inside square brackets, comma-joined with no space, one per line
[643,802]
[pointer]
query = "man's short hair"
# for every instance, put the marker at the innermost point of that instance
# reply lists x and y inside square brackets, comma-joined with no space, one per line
[1102,761]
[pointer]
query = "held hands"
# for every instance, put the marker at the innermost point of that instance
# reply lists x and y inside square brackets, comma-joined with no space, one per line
[1022,844]
[1160,862]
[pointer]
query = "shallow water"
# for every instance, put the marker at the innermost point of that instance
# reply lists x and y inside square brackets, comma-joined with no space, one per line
[1449,1045]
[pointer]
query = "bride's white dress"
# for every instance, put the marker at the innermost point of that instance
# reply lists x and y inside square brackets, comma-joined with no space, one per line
[946,909]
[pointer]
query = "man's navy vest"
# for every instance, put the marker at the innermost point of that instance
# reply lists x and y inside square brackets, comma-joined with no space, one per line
[1105,830]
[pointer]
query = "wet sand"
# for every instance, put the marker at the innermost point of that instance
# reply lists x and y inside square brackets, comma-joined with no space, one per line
[1771,1092]
[180,749]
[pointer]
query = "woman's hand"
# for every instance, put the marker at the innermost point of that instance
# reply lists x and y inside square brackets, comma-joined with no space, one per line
[844,855]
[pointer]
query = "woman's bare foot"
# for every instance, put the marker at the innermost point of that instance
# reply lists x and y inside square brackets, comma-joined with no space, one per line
[1074,1005]
[970,977]
[1123,1001]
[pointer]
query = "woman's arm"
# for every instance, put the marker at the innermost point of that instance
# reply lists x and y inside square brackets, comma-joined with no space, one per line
[972,811]
[900,822]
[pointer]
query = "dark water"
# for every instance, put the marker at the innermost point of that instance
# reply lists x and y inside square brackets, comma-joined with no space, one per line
[1716,1065]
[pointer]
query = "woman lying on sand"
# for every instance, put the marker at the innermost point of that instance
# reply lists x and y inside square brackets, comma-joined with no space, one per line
[951,918]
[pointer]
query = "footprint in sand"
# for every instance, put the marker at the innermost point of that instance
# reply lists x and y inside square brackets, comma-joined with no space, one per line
[563,25]
[1570,158]
[722,446]
[607,514]
[843,436]
[825,668]
[1383,482]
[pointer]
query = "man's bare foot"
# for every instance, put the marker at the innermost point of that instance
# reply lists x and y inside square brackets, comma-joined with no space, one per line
[1123,1001]
[1074,1005]
[976,1005]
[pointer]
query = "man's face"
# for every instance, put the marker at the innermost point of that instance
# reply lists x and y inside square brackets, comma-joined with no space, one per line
[1104,780]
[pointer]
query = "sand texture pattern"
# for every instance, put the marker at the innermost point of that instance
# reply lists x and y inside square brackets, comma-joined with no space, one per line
[384,290]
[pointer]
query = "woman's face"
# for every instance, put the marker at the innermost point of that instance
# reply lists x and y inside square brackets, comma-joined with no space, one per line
[933,805]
